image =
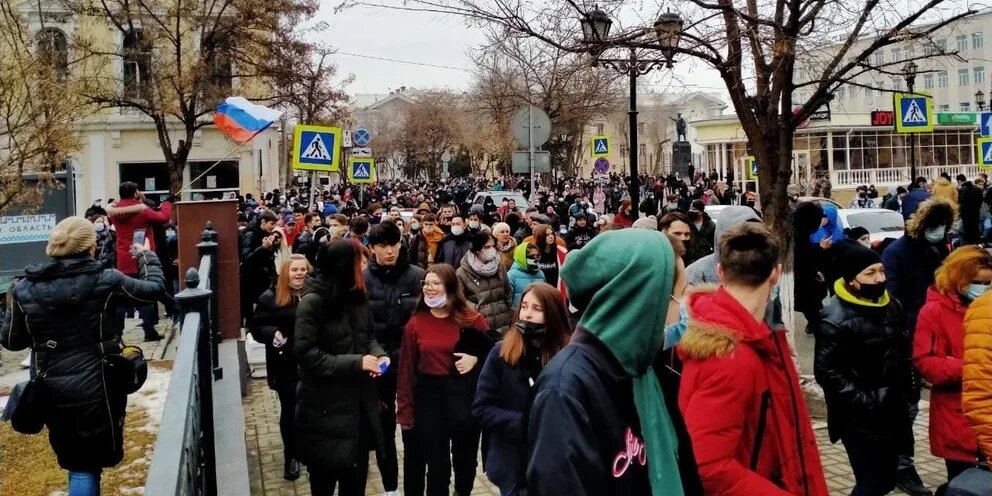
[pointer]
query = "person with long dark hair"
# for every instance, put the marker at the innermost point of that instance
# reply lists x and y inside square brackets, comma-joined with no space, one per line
[337,407]
[273,324]
[540,330]
[439,363]
[484,281]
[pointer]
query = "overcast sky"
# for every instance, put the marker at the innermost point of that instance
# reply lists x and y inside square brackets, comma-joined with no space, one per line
[361,33]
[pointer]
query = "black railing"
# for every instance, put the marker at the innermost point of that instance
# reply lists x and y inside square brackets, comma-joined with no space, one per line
[184,461]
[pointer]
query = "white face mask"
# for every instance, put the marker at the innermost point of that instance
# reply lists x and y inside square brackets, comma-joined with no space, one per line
[489,254]
[457,230]
[473,225]
[436,301]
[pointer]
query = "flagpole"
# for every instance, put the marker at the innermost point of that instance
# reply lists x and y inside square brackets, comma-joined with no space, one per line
[225,157]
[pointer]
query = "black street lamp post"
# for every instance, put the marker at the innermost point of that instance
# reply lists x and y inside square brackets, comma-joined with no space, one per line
[595,31]
[909,71]
[980,100]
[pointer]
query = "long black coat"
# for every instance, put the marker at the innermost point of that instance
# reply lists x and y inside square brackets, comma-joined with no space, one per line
[862,361]
[333,332]
[280,363]
[65,311]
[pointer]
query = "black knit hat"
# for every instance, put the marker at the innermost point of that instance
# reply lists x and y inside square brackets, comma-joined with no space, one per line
[855,232]
[851,258]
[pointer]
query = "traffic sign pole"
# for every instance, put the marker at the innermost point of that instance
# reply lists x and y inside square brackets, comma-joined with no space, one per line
[530,150]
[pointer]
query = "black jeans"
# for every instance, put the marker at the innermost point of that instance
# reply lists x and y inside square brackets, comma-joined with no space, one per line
[388,466]
[350,481]
[147,311]
[874,464]
[443,438]
[286,389]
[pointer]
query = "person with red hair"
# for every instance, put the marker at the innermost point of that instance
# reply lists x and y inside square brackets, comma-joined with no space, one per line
[938,352]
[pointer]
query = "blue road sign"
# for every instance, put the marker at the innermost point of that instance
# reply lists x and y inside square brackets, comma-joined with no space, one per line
[914,113]
[316,148]
[984,153]
[362,137]
[602,165]
[985,124]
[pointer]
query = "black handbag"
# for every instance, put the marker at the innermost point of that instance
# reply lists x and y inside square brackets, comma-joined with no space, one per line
[25,407]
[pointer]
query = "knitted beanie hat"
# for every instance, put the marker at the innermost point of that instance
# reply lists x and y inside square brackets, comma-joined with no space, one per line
[72,236]
[851,258]
[649,222]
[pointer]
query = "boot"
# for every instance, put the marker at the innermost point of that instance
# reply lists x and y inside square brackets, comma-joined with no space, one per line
[910,483]
[291,470]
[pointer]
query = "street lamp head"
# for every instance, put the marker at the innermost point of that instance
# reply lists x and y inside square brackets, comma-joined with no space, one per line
[910,69]
[595,26]
[980,99]
[668,29]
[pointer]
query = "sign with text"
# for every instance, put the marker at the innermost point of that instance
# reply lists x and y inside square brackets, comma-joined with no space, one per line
[26,228]
[883,118]
[956,118]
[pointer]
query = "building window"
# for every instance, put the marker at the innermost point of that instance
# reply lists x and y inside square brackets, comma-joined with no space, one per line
[54,49]
[942,79]
[962,43]
[928,81]
[943,108]
[879,58]
[220,65]
[976,40]
[840,93]
[640,130]
[599,129]
[853,93]
[963,77]
[979,75]
[965,106]
[137,56]
[643,150]
[896,55]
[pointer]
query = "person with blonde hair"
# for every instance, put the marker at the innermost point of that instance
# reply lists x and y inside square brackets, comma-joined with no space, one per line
[273,325]
[505,244]
[938,352]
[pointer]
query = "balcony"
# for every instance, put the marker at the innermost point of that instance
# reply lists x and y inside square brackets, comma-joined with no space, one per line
[896,176]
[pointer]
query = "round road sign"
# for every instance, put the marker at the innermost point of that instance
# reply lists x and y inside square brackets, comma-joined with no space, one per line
[362,137]
[522,122]
[602,165]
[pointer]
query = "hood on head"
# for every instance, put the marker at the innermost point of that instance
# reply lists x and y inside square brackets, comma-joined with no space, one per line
[806,219]
[728,218]
[928,208]
[622,281]
[520,255]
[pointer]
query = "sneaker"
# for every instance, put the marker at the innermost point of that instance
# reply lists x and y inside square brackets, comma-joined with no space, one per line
[909,482]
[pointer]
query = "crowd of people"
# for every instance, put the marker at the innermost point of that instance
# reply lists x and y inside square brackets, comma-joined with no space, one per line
[580,347]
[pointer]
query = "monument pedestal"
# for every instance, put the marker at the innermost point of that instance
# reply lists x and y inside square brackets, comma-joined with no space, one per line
[682,158]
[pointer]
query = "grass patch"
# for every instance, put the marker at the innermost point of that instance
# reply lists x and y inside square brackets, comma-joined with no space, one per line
[28,466]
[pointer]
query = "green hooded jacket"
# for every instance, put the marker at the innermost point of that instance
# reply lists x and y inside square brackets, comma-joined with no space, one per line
[622,282]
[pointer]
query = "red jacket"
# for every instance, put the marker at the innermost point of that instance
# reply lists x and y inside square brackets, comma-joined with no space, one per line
[129,216]
[938,352]
[736,372]
[622,219]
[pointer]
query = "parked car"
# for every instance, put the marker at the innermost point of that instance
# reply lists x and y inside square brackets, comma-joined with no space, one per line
[819,201]
[498,196]
[881,223]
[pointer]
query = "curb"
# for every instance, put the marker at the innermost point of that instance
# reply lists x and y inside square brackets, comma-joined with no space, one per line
[165,343]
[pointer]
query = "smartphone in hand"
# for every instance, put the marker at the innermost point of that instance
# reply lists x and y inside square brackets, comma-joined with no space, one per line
[138,238]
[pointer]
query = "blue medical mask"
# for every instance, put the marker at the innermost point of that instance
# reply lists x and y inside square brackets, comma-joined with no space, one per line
[935,235]
[975,290]
[674,332]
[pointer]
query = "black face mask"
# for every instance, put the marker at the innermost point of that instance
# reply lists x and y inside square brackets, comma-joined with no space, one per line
[530,329]
[872,291]
[532,263]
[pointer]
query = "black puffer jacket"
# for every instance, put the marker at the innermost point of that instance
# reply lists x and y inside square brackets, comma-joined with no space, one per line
[393,293]
[305,245]
[862,361]
[333,332]
[280,363]
[64,310]
[258,270]
[491,295]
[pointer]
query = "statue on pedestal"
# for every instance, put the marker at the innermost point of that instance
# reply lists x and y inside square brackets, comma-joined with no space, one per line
[680,126]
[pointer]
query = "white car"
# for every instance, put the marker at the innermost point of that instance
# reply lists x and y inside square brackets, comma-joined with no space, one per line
[881,223]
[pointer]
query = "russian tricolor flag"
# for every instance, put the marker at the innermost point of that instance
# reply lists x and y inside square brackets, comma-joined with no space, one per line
[241,120]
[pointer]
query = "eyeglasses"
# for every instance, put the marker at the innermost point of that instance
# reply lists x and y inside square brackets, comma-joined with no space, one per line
[432,285]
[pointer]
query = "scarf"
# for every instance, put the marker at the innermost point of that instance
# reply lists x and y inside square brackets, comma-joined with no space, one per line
[433,238]
[485,269]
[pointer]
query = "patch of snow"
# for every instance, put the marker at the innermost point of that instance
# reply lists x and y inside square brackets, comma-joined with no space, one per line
[3,401]
[151,397]
[58,493]
[132,490]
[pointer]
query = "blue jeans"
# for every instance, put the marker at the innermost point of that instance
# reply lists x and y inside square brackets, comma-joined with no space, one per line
[84,483]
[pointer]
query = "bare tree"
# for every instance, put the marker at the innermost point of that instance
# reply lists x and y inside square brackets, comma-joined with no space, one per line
[755,47]
[38,109]
[511,71]
[429,129]
[176,60]
[303,81]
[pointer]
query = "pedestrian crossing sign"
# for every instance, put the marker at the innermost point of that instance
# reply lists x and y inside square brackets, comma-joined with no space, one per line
[914,112]
[317,148]
[600,146]
[984,153]
[751,163]
[361,170]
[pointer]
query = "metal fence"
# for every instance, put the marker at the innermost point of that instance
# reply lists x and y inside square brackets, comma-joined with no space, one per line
[184,461]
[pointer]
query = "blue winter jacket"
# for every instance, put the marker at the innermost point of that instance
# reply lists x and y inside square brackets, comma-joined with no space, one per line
[500,406]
